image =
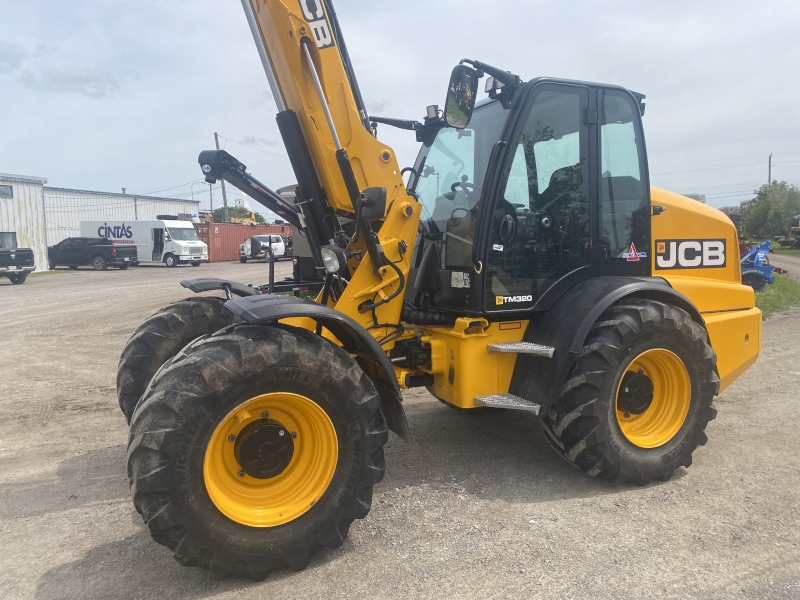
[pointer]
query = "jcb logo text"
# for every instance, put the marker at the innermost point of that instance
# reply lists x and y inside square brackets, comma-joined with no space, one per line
[690,254]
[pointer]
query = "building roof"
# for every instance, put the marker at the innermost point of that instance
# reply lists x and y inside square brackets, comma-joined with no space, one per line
[118,195]
[22,178]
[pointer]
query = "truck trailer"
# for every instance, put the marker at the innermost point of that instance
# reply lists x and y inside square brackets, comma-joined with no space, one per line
[169,241]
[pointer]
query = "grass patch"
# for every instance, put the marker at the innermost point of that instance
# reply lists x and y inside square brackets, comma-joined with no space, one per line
[778,298]
[45,273]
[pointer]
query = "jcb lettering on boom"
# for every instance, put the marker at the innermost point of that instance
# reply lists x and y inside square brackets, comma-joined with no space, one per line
[315,15]
[690,254]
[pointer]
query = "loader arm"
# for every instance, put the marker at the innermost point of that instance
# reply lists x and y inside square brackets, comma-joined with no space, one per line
[325,128]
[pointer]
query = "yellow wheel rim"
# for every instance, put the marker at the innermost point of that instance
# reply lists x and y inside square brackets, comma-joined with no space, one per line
[671,396]
[272,501]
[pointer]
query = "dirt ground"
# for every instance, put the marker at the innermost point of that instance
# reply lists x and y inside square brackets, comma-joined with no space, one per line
[478,507]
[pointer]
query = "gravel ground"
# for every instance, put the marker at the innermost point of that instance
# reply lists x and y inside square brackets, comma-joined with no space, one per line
[478,506]
[790,263]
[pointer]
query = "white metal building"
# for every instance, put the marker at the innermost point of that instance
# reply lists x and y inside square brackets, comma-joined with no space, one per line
[42,216]
[65,209]
[22,212]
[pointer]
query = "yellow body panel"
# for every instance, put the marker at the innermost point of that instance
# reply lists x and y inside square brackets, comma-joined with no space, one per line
[736,338]
[468,369]
[728,307]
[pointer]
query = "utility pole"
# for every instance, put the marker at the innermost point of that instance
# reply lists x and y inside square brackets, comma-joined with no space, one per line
[222,181]
[769,178]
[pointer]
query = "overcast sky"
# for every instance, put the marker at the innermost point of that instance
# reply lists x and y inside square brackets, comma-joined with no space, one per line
[103,95]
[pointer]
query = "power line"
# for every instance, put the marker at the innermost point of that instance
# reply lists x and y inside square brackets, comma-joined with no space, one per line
[168,189]
[697,162]
[711,169]
[253,147]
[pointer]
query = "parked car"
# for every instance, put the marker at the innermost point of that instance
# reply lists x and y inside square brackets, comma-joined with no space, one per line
[15,263]
[256,248]
[101,253]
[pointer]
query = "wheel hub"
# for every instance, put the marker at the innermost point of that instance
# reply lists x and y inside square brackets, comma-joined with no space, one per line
[264,449]
[636,393]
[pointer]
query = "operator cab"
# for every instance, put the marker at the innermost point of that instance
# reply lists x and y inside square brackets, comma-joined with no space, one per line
[544,186]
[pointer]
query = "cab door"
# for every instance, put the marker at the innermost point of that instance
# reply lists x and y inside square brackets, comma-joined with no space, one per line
[541,223]
[623,217]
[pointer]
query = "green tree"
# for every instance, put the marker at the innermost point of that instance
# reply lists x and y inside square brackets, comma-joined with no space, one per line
[772,209]
[235,212]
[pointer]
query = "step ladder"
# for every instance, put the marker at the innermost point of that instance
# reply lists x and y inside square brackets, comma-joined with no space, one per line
[509,401]
[522,348]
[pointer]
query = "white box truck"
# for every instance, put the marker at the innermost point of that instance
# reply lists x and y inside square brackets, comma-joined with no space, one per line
[166,240]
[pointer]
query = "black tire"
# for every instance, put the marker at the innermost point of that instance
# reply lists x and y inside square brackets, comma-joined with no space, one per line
[582,426]
[99,263]
[199,388]
[195,263]
[123,267]
[170,260]
[755,280]
[52,266]
[74,267]
[18,279]
[159,338]
[242,259]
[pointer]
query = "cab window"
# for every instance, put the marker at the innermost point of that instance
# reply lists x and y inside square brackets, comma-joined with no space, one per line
[624,196]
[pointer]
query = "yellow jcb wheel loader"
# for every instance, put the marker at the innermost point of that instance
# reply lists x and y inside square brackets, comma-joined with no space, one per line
[527,265]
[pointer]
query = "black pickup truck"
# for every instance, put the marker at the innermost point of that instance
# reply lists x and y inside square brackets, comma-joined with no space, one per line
[15,263]
[101,253]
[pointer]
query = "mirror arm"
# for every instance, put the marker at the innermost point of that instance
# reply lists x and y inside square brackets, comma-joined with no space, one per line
[504,77]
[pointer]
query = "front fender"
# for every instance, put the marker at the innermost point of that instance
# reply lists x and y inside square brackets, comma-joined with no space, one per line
[267,308]
[207,284]
[566,325]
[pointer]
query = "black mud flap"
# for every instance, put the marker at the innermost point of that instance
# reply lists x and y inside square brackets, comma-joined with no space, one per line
[262,309]
[208,284]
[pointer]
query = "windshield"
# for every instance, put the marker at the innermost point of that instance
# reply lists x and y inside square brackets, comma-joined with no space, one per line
[452,169]
[183,234]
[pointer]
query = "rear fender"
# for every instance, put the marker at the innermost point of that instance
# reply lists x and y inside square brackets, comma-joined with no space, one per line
[565,327]
[263,309]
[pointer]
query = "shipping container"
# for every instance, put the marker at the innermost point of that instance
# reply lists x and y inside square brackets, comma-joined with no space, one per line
[22,212]
[65,209]
[223,239]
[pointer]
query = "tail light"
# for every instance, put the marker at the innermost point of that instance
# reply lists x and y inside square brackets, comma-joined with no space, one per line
[113,252]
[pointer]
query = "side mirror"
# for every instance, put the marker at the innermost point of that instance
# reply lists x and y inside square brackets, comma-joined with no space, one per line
[372,203]
[461,96]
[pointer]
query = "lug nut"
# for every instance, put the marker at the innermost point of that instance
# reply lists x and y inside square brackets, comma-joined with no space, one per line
[240,473]
[294,434]
[231,438]
[281,433]
[265,414]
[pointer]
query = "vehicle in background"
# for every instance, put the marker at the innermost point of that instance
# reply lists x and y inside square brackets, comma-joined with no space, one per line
[101,253]
[756,270]
[256,248]
[289,247]
[792,237]
[15,263]
[165,240]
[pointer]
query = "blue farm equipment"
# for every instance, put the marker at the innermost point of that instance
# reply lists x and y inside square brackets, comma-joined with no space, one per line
[756,270]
